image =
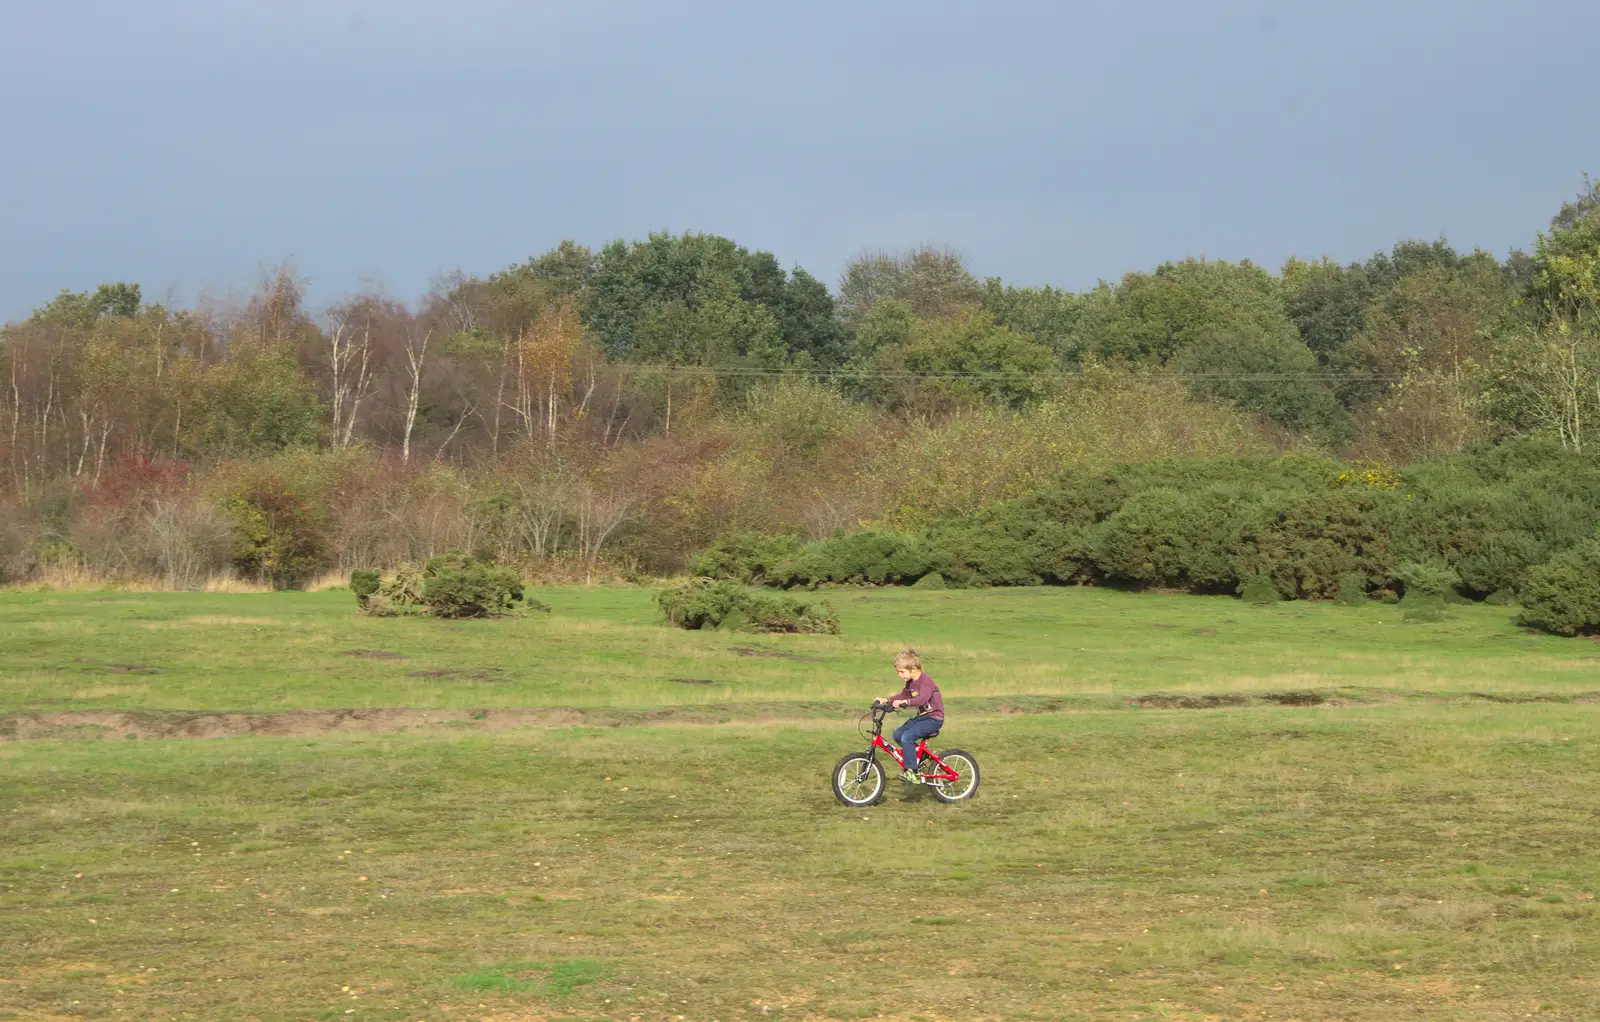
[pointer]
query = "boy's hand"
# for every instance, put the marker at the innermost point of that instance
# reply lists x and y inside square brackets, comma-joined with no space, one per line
[898,704]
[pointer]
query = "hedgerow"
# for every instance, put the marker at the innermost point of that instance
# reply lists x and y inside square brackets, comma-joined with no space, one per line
[1308,526]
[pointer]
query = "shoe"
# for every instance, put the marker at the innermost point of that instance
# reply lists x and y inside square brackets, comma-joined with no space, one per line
[910,778]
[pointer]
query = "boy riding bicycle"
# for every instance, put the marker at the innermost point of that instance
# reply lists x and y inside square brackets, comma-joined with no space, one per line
[920,693]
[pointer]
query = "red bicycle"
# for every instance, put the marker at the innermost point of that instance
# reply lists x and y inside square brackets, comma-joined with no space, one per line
[858,780]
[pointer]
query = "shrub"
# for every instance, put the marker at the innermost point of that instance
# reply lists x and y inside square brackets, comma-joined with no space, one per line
[1147,541]
[1422,578]
[1352,591]
[932,580]
[1309,541]
[1427,587]
[747,557]
[870,556]
[278,536]
[364,582]
[15,540]
[1260,590]
[459,585]
[710,603]
[969,554]
[181,540]
[1563,595]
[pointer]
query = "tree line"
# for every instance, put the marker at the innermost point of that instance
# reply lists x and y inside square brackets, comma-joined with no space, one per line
[626,384]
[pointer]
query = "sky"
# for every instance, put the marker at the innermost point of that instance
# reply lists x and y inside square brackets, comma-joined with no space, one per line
[190,144]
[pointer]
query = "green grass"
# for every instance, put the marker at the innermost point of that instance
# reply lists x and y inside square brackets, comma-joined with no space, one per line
[1428,857]
[556,980]
[605,648]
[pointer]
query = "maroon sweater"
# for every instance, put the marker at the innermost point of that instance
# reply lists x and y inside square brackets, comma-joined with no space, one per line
[923,694]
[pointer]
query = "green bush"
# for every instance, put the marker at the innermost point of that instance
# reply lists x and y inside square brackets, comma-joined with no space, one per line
[981,553]
[1427,589]
[1494,513]
[1147,542]
[459,585]
[861,557]
[1352,591]
[1421,578]
[1311,540]
[1260,590]
[932,580]
[1563,596]
[1314,527]
[747,557]
[710,603]
[278,533]
[364,582]
[395,595]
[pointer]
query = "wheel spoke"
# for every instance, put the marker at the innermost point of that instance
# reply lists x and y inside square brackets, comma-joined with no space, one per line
[966,778]
[857,781]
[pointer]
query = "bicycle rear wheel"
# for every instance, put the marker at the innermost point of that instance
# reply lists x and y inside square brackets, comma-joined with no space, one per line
[858,780]
[966,783]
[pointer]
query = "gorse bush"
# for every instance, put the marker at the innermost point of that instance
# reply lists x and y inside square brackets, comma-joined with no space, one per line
[1563,596]
[1472,525]
[1424,579]
[364,583]
[1352,591]
[453,586]
[862,557]
[1259,589]
[1428,587]
[458,585]
[744,556]
[706,603]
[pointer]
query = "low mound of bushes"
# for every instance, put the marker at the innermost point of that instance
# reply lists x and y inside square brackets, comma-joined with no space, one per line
[1472,526]
[707,603]
[452,586]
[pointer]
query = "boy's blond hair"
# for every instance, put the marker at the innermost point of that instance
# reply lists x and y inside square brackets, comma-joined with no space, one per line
[908,658]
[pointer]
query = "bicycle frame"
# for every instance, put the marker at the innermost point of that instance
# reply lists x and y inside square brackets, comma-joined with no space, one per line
[924,754]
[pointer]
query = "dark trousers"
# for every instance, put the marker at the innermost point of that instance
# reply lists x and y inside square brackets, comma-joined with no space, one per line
[907,736]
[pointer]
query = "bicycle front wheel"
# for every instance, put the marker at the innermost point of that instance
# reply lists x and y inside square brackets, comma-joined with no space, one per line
[858,780]
[966,783]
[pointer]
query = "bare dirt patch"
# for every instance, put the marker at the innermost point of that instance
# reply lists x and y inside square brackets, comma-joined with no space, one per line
[1164,701]
[136,724]
[775,654]
[118,668]
[104,725]
[469,673]
[375,654]
[1309,697]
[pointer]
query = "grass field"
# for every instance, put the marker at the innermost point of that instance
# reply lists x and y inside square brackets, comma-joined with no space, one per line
[605,648]
[589,816]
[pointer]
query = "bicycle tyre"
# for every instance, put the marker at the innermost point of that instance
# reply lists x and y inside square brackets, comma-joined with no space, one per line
[858,780]
[964,764]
